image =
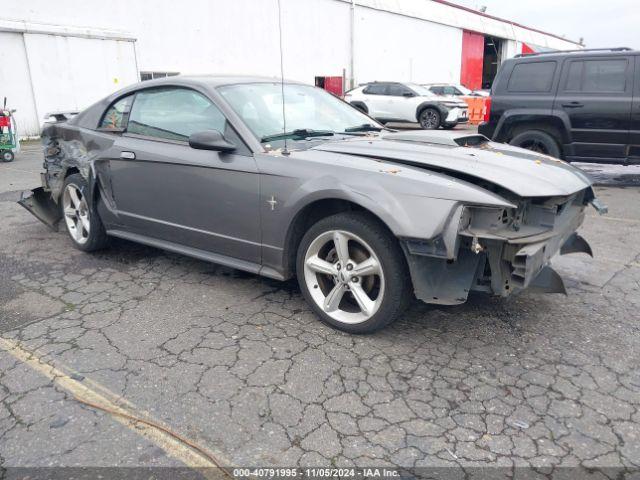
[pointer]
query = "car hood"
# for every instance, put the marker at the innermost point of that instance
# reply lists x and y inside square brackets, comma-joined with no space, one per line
[452,98]
[443,99]
[525,173]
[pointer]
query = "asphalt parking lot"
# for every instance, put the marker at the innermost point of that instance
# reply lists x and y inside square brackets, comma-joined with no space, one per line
[239,367]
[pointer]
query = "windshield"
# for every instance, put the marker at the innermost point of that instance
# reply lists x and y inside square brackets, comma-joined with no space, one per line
[308,109]
[420,90]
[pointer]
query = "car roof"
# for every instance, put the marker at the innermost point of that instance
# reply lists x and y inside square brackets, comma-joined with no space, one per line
[596,52]
[384,81]
[90,117]
[213,80]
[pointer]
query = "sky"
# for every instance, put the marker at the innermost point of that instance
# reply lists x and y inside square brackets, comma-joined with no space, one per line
[610,23]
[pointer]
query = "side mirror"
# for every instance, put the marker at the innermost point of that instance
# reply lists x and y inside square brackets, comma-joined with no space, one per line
[408,94]
[210,140]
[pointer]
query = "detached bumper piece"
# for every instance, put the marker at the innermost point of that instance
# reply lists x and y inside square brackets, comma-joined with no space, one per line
[42,206]
[498,252]
[576,244]
[548,281]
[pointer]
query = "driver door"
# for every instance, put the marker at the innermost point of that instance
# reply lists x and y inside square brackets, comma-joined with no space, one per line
[166,190]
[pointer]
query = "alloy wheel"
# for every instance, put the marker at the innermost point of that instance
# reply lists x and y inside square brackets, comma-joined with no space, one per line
[429,119]
[344,276]
[76,213]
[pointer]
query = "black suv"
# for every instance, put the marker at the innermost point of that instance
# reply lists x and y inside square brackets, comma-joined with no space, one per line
[582,106]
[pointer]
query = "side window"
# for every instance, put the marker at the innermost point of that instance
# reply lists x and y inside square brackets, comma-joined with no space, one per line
[397,90]
[574,77]
[173,114]
[449,91]
[532,77]
[115,118]
[375,89]
[437,90]
[597,76]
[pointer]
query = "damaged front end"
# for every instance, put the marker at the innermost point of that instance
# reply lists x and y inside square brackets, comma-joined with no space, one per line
[64,153]
[499,250]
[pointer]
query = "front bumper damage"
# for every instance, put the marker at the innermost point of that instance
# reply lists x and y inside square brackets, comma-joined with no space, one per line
[499,251]
[41,205]
[457,115]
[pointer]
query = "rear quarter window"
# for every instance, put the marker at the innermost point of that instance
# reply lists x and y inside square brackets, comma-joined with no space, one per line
[532,77]
[597,76]
[115,118]
[375,89]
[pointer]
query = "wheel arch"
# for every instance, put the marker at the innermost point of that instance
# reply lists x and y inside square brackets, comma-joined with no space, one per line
[424,105]
[92,184]
[70,171]
[516,123]
[310,214]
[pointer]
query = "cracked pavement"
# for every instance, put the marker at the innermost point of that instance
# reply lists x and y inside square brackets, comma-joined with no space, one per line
[239,363]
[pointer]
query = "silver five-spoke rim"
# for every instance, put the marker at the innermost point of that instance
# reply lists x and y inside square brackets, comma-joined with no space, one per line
[76,213]
[344,276]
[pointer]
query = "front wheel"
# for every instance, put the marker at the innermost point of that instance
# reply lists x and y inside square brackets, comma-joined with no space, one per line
[7,156]
[429,119]
[353,273]
[80,218]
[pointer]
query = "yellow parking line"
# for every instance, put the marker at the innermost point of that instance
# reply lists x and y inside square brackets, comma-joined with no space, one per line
[176,446]
[615,219]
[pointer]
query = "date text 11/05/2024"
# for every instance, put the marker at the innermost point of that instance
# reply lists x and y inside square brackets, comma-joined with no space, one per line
[315,473]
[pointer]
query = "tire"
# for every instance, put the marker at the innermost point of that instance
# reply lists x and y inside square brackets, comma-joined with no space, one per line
[429,119]
[7,156]
[329,286]
[78,213]
[449,127]
[537,141]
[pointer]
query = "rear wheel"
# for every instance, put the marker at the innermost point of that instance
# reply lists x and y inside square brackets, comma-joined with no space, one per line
[537,141]
[353,273]
[7,156]
[80,218]
[429,119]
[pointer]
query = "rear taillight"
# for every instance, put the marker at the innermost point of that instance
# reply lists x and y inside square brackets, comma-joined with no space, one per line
[486,110]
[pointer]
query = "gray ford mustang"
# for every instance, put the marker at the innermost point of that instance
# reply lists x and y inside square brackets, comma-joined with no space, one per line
[365,217]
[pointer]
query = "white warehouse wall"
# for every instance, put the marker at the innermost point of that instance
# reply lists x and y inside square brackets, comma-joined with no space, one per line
[70,73]
[430,52]
[15,83]
[214,36]
[468,19]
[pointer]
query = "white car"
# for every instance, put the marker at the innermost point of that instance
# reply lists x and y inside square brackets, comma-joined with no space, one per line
[454,90]
[407,102]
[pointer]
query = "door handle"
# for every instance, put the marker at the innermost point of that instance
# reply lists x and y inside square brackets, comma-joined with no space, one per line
[572,105]
[128,155]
